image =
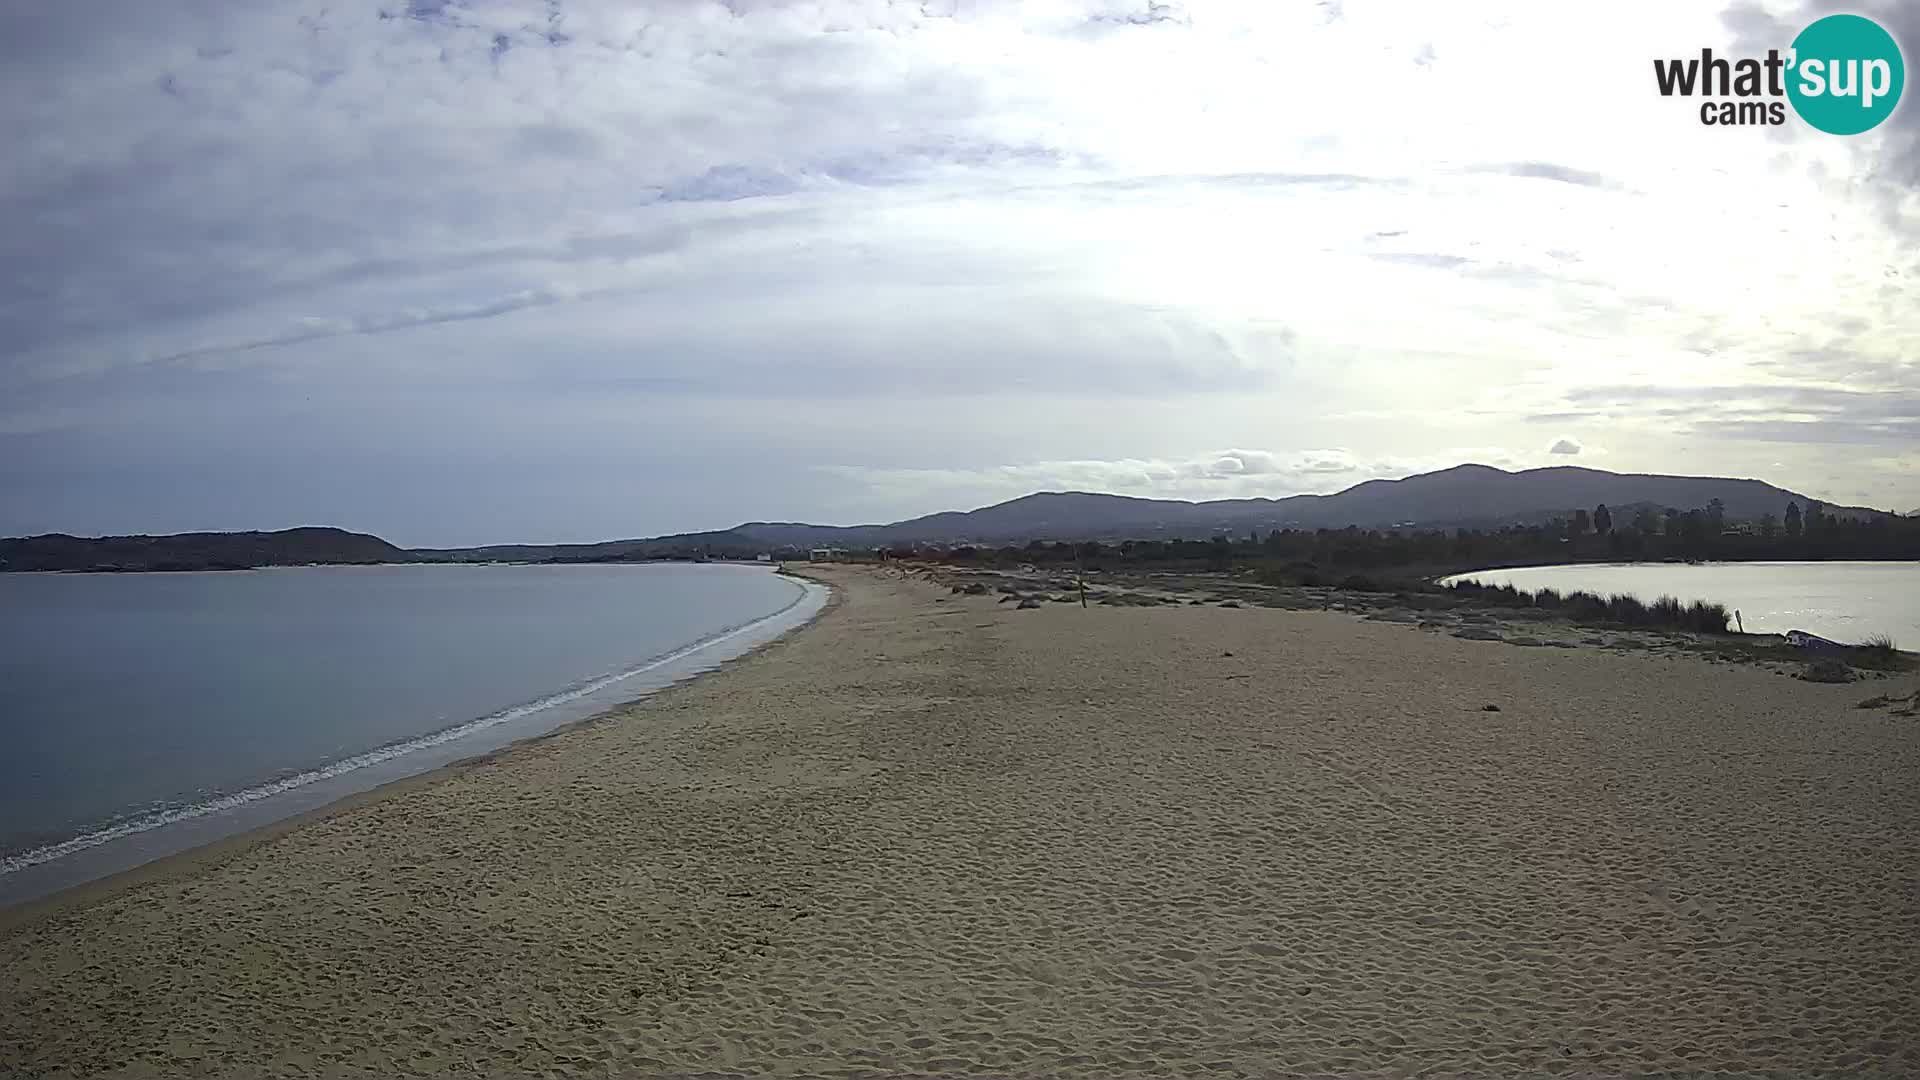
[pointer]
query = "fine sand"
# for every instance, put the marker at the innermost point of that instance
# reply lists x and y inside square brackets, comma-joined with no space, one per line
[932,834]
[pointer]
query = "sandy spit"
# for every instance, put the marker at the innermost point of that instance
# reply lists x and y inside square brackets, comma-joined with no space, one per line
[931,834]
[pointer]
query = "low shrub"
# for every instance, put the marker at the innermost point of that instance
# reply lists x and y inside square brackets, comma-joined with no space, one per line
[1666,611]
[1706,618]
[1625,610]
[1586,607]
[1618,609]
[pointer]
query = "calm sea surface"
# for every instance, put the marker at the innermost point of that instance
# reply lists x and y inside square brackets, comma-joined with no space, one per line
[1844,601]
[147,713]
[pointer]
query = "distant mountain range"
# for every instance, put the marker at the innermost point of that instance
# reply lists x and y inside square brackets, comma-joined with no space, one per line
[1465,496]
[1468,495]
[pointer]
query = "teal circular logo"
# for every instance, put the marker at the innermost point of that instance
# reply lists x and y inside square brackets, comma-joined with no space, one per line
[1846,74]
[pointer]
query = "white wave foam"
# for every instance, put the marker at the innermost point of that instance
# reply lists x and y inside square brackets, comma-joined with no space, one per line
[159,819]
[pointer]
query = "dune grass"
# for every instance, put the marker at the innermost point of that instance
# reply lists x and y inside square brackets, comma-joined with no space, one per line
[1620,610]
[1880,643]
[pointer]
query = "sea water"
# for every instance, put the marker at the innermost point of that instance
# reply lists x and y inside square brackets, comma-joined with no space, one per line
[141,714]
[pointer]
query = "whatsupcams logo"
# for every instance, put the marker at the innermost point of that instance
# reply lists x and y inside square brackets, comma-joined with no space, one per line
[1843,75]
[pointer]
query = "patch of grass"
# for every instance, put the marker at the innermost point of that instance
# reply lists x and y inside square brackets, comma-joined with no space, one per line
[1878,654]
[1293,573]
[1827,671]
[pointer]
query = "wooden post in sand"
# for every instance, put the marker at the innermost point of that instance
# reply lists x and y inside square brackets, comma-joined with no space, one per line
[1079,575]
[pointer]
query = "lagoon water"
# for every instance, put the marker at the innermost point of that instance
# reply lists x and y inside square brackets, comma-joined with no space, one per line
[1844,601]
[144,713]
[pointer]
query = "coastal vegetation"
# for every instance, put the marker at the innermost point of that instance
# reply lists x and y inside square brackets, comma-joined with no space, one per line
[1111,530]
[1330,556]
[1410,562]
[1617,610]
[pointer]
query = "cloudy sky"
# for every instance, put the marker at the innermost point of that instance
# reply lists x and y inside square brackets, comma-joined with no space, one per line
[460,271]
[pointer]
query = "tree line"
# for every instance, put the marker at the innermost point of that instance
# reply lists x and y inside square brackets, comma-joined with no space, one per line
[1637,533]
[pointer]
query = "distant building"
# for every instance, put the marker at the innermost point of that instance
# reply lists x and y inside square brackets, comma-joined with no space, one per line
[824,555]
[763,557]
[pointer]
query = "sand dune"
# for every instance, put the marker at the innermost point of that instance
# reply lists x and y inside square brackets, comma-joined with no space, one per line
[932,834]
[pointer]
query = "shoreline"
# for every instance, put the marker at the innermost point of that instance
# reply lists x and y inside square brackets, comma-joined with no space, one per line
[937,834]
[202,856]
[1830,623]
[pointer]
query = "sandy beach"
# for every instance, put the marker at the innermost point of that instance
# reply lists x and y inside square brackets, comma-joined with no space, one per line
[931,834]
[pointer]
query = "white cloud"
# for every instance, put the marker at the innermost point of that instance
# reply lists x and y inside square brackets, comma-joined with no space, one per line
[907,239]
[1569,447]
